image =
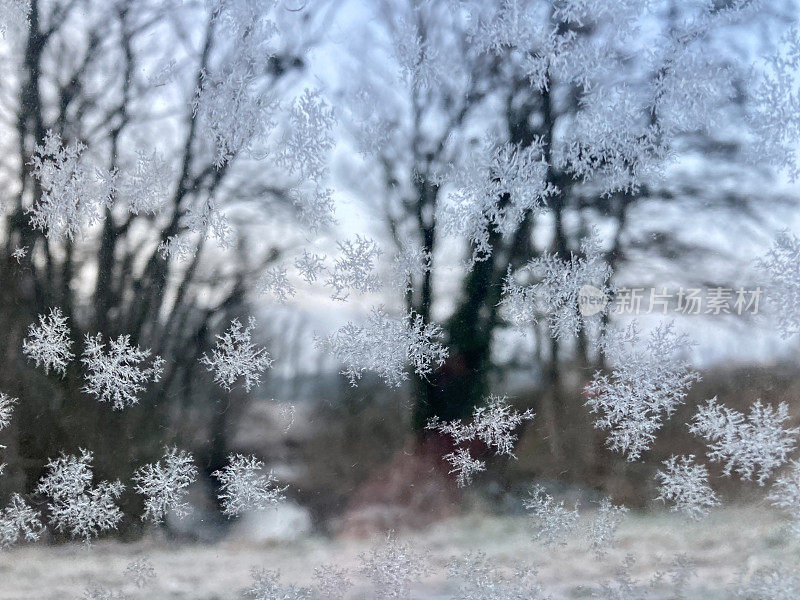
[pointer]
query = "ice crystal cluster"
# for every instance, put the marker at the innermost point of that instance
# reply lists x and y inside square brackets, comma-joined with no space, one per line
[751,445]
[49,343]
[266,585]
[602,530]
[236,358]
[118,374]
[245,486]
[355,268]
[404,341]
[164,484]
[553,521]
[785,494]
[494,423]
[76,506]
[478,578]
[19,521]
[497,187]
[684,484]
[74,191]
[14,15]
[556,290]
[645,386]
[7,404]
[140,572]
[393,568]
[781,265]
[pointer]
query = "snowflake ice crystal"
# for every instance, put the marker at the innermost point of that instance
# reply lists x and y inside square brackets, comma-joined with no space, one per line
[164,484]
[244,486]
[117,375]
[48,343]
[236,357]
[755,444]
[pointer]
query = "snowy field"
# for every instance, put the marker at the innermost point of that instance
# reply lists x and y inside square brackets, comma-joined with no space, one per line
[729,542]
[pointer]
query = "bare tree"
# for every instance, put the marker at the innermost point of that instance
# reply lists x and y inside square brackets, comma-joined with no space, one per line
[168,257]
[603,108]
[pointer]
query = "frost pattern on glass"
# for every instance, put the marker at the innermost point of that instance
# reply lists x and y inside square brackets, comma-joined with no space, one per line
[235,357]
[75,506]
[74,191]
[751,445]
[556,290]
[684,485]
[164,484]
[406,341]
[393,568]
[645,386]
[19,521]
[785,494]
[48,343]
[118,374]
[782,268]
[244,486]
[553,522]
[494,423]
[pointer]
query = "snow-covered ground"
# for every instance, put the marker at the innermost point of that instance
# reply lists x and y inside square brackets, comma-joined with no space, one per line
[729,541]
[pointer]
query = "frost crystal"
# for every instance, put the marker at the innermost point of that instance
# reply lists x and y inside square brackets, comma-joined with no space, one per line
[7,404]
[14,15]
[96,591]
[622,586]
[554,522]
[164,484]
[603,529]
[267,586]
[753,445]
[179,246]
[775,118]
[19,521]
[49,343]
[140,572]
[782,267]
[305,148]
[332,583]
[19,253]
[410,263]
[274,281]
[479,579]
[393,568]
[769,584]
[417,58]
[464,466]
[785,494]
[404,341]
[646,385]
[559,284]
[685,484]
[354,269]
[73,193]
[208,220]
[236,357]
[118,375]
[231,111]
[494,423]
[310,266]
[146,189]
[244,486]
[75,506]
[497,187]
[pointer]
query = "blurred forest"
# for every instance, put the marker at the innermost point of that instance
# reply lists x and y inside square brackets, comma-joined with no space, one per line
[121,76]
